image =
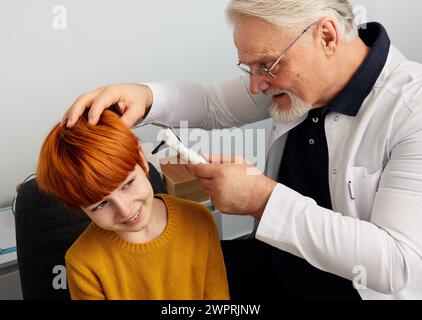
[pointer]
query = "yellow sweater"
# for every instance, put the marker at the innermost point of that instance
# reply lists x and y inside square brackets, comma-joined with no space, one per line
[185,262]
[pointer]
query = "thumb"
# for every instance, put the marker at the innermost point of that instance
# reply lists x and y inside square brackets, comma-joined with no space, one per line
[190,167]
[227,159]
[218,158]
[132,114]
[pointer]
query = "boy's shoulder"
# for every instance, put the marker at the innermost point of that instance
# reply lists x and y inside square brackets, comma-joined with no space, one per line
[189,209]
[87,243]
[193,219]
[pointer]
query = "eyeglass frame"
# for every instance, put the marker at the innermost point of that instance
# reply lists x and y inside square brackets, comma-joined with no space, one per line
[282,55]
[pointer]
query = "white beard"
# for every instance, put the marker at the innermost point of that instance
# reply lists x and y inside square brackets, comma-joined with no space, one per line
[297,109]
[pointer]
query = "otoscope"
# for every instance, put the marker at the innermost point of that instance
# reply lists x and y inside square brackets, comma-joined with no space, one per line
[173,141]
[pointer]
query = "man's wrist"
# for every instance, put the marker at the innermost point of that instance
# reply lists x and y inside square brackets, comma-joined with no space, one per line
[149,98]
[267,188]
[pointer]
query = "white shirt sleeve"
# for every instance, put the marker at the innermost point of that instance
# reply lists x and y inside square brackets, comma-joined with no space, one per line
[388,246]
[218,105]
[335,243]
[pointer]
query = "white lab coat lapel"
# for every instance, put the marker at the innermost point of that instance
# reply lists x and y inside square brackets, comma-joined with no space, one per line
[349,141]
[276,143]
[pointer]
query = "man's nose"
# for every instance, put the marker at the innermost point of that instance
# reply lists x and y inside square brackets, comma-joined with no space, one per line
[258,85]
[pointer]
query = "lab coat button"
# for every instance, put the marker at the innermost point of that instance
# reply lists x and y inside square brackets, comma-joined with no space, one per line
[334,171]
[336,118]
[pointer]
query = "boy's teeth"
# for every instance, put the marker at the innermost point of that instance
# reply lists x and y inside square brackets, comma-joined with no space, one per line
[134,217]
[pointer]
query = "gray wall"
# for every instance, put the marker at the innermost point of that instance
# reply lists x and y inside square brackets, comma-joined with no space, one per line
[401,19]
[43,69]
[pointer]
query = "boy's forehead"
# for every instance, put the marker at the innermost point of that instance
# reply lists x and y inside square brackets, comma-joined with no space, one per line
[131,174]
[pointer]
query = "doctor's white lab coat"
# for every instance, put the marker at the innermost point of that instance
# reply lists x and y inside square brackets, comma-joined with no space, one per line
[373,235]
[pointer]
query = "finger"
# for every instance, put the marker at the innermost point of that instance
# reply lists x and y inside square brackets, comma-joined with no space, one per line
[104,100]
[202,171]
[190,167]
[227,159]
[236,159]
[78,108]
[207,184]
[131,115]
[207,190]
[64,120]
[206,156]
[218,158]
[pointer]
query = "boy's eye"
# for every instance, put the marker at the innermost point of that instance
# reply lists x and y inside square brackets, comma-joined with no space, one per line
[127,185]
[101,205]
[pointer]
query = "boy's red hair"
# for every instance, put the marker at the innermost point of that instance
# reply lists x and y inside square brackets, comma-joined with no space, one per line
[82,165]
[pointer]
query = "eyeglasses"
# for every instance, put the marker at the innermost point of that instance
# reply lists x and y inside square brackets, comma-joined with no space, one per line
[262,71]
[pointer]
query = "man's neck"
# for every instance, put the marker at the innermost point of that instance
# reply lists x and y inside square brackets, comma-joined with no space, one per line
[349,58]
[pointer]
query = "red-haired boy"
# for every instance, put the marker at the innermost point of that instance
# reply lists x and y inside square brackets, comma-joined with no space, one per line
[138,246]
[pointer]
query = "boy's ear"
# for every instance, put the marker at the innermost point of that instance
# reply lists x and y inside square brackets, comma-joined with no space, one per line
[144,162]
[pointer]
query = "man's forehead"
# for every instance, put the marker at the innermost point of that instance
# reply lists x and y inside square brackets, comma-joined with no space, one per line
[255,51]
[255,46]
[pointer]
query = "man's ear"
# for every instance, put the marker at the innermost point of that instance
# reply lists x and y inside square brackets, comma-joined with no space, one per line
[144,162]
[329,35]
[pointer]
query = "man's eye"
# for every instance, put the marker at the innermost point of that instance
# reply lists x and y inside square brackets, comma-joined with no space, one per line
[265,66]
[276,67]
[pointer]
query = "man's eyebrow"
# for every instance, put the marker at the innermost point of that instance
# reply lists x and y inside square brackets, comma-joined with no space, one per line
[261,59]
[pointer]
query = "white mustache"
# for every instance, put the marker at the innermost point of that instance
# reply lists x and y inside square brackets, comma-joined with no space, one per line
[275,91]
[297,108]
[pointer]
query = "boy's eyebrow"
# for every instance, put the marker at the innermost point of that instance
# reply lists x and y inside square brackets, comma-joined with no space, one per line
[94,206]
[131,176]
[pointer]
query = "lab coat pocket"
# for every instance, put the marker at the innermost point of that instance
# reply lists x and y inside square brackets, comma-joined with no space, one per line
[363,187]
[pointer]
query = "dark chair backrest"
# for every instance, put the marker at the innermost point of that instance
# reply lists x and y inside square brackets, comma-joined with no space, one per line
[45,229]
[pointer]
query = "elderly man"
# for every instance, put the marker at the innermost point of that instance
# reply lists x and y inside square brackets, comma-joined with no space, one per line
[343,182]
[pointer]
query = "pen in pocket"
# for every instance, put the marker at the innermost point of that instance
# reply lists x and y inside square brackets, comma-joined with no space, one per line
[351,191]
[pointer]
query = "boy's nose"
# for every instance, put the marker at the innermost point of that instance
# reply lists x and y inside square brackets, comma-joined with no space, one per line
[124,208]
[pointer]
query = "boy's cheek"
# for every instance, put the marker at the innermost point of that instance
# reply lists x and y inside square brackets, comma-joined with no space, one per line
[144,191]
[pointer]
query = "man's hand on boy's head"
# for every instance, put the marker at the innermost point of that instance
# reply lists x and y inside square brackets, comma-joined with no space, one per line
[234,185]
[132,100]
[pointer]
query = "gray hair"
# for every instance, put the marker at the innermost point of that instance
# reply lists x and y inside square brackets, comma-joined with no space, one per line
[290,14]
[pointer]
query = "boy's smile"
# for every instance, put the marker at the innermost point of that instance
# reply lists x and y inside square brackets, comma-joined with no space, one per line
[128,210]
